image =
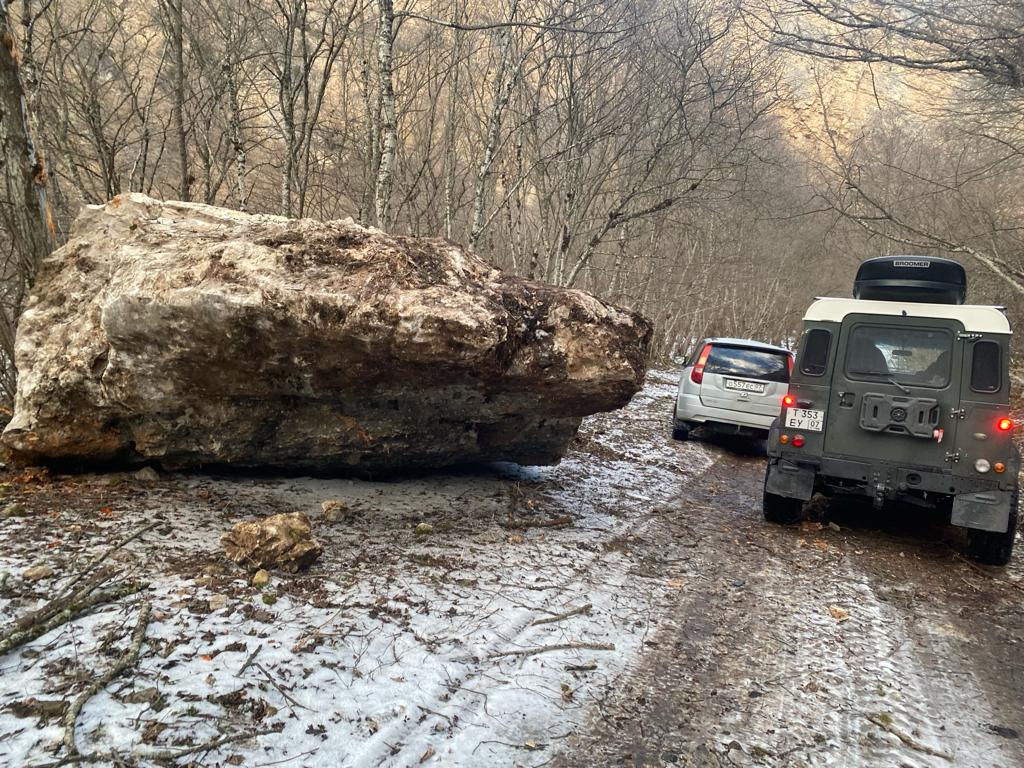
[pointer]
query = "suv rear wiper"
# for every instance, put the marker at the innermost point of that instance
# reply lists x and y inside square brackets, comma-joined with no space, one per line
[902,388]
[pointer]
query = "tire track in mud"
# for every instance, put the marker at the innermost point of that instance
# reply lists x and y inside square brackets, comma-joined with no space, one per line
[752,668]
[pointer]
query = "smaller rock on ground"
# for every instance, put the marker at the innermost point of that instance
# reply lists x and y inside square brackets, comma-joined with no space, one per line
[282,541]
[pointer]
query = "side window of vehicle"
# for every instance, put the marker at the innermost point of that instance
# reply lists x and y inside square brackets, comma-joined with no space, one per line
[986,367]
[813,357]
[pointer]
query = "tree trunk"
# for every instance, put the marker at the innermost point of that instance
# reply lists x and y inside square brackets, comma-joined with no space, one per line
[237,140]
[176,33]
[502,94]
[24,209]
[389,119]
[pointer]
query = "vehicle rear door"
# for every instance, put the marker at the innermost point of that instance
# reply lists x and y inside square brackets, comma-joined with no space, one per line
[895,386]
[749,379]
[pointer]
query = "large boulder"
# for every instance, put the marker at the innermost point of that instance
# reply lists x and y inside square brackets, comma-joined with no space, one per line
[186,334]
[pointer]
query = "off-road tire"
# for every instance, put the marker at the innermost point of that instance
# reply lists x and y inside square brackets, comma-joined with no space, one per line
[779,509]
[680,430]
[993,548]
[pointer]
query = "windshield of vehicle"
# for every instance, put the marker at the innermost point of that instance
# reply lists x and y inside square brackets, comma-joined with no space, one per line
[920,356]
[748,363]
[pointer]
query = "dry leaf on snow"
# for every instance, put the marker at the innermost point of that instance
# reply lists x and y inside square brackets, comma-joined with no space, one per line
[839,614]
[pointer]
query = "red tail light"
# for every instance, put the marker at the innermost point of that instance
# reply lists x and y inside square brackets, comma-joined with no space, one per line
[791,365]
[788,401]
[798,441]
[697,375]
[1005,425]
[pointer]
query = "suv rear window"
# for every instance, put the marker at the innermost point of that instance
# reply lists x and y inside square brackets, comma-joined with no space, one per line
[748,363]
[919,356]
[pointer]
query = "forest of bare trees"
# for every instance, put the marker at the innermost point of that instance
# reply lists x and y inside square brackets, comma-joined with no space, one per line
[712,164]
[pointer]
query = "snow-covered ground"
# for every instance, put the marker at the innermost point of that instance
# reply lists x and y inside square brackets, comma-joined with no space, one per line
[394,649]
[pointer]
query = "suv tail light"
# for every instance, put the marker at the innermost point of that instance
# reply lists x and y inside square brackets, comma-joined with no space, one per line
[787,401]
[697,375]
[791,358]
[1005,425]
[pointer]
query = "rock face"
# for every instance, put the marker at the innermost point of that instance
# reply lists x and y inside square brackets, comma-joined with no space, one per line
[194,335]
[280,541]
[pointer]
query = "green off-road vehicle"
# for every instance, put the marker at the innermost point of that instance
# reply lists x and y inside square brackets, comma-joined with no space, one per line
[902,394]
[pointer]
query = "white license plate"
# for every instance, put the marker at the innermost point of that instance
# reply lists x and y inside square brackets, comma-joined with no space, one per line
[745,386]
[805,419]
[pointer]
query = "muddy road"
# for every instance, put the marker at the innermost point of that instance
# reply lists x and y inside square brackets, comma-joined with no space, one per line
[628,607]
[858,638]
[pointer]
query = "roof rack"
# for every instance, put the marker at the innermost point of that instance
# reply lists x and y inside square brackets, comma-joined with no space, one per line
[920,279]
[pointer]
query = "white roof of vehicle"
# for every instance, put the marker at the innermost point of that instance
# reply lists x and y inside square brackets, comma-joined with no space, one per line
[974,318]
[747,343]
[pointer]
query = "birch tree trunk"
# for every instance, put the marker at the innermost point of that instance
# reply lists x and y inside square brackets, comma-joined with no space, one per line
[389,119]
[451,159]
[237,140]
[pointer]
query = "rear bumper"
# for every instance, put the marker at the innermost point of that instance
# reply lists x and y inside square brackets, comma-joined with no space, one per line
[690,408]
[983,503]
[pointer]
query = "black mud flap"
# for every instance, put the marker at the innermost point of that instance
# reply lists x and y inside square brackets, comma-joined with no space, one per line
[986,511]
[790,480]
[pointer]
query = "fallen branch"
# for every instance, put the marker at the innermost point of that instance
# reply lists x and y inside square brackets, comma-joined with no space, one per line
[107,553]
[433,712]
[559,647]
[520,523]
[280,690]
[173,755]
[58,604]
[574,612]
[161,756]
[53,615]
[982,572]
[127,659]
[907,739]
[248,661]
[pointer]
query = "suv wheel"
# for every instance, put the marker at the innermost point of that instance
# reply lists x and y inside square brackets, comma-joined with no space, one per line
[780,509]
[680,430]
[993,548]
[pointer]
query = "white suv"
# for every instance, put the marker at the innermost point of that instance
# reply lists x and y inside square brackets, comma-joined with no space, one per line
[731,386]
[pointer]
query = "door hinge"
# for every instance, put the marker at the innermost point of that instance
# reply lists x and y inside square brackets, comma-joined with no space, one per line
[954,457]
[958,413]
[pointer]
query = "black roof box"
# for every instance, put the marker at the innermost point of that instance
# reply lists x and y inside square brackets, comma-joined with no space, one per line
[923,279]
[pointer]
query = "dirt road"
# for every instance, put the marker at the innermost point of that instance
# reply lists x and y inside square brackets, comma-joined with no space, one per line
[628,607]
[867,645]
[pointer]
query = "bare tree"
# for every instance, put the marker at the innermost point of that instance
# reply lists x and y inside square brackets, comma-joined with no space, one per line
[24,211]
[978,50]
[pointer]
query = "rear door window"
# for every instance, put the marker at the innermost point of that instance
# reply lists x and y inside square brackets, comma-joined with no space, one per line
[814,356]
[748,363]
[986,367]
[916,356]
